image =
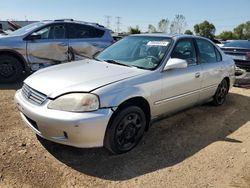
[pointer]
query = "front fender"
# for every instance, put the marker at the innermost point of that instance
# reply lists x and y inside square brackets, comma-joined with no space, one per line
[117,96]
[146,86]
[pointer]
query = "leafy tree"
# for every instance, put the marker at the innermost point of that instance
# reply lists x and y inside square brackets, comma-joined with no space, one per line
[188,32]
[135,30]
[205,29]
[242,31]
[239,31]
[178,24]
[227,35]
[163,25]
[151,29]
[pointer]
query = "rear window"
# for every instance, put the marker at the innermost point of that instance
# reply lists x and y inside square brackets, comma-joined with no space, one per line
[99,33]
[238,44]
[77,31]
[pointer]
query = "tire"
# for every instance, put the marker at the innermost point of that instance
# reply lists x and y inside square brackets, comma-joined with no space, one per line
[125,130]
[221,93]
[11,69]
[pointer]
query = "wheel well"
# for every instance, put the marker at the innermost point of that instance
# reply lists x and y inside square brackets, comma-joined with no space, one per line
[228,82]
[136,101]
[17,56]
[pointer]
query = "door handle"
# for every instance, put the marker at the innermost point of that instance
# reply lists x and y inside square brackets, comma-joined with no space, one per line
[197,75]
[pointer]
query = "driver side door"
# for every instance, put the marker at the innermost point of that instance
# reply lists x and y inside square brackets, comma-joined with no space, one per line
[50,46]
[180,87]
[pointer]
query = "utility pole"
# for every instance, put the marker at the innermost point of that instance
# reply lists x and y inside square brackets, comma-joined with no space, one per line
[108,21]
[118,23]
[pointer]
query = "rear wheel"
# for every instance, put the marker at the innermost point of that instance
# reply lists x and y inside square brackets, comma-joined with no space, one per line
[10,69]
[221,93]
[126,130]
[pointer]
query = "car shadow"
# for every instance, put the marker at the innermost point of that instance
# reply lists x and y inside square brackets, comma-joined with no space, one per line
[14,86]
[168,142]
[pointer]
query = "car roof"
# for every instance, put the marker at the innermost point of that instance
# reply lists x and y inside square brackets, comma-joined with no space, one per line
[173,36]
[73,21]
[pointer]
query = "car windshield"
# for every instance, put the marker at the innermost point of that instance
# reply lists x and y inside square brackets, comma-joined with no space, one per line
[238,44]
[26,29]
[145,52]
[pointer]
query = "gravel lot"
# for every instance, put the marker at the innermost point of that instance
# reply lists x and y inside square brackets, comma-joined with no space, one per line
[204,146]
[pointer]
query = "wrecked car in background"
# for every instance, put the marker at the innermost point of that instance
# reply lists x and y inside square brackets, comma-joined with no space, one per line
[239,50]
[46,43]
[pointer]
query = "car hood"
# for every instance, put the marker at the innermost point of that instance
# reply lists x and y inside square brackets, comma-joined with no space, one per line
[81,76]
[8,37]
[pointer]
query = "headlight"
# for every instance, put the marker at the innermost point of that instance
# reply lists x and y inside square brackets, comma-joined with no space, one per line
[75,102]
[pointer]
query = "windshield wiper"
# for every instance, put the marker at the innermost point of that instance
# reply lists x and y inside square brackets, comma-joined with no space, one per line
[115,62]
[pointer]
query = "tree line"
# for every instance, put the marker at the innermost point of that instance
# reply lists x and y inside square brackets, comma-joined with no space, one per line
[205,29]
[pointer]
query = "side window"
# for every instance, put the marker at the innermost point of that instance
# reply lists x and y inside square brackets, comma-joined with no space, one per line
[52,32]
[207,51]
[44,33]
[57,32]
[77,31]
[218,55]
[185,50]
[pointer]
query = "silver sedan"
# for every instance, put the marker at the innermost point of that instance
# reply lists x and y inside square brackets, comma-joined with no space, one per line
[112,99]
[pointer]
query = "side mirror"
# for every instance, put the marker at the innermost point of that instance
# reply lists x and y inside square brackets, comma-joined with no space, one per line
[34,36]
[175,63]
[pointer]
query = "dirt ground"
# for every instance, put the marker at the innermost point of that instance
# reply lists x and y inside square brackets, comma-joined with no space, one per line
[204,146]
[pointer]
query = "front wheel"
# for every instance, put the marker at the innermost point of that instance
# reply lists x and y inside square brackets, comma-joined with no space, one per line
[126,130]
[221,93]
[10,69]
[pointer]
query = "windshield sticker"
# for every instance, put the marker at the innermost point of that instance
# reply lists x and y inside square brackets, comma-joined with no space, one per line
[157,43]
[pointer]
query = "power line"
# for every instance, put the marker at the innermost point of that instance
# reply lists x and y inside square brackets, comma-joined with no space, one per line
[118,23]
[108,21]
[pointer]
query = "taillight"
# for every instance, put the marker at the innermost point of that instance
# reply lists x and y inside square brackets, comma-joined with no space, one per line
[248,56]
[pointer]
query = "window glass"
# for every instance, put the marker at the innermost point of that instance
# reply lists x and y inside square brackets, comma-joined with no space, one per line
[52,32]
[185,50]
[57,32]
[238,44]
[218,55]
[44,32]
[207,51]
[99,33]
[81,31]
[145,52]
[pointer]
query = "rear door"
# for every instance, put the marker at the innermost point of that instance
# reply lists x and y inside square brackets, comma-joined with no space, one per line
[211,68]
[51,47]
[84,40]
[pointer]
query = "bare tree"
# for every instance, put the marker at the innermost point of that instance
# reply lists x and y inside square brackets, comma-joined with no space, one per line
[163,25]
[178,24]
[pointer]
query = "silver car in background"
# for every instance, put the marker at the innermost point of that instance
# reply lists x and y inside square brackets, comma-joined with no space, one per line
[112,99]
[46,43]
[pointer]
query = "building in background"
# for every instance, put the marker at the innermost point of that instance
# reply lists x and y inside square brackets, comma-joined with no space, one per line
[4,25]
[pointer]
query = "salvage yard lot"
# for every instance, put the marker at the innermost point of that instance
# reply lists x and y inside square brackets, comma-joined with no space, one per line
[205,146]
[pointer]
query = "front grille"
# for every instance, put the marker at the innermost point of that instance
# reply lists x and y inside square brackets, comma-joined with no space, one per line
[32,95]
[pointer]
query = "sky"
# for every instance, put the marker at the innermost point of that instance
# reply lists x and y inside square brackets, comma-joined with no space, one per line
[224,14]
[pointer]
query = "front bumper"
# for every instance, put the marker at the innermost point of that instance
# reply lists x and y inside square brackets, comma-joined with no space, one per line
[75,129]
